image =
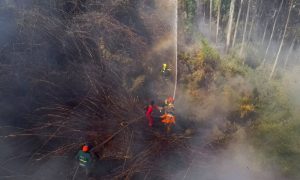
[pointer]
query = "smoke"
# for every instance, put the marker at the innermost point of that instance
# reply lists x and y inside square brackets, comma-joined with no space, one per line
[258,33]
[239,161]
[216,103]
[159,19]
[218,107]
[62,54]
[55,168]
[291,85]
[47,61]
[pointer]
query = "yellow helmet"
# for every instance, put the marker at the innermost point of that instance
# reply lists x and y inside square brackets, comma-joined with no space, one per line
[164,65]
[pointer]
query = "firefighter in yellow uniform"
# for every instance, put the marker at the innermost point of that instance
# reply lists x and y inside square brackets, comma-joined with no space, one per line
[165,71]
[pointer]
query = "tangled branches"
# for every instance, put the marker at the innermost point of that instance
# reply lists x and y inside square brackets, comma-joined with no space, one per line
[76,69]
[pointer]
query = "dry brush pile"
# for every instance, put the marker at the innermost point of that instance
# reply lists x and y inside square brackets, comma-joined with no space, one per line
[76,72]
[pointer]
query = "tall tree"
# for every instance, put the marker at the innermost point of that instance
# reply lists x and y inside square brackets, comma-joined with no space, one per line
[272,33]
[231,13]
[282,40]
[210,13]
[245,28]
[251,26]
[237,23]
[219,2]
[204,14]
[289,52]
[264,34]
[254,17]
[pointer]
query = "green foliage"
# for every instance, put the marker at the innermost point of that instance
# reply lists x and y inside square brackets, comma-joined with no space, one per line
[207,56]
[276,130]
[191,8]
[190,11]
[252,57]
[225,9]
[279,140]
[232,65]
[216,3]
[202,65]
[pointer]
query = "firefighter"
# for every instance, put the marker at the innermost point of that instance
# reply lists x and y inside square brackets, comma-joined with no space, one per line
[169,105]
[85,159]
[168,119]
[149,110]
[165,71]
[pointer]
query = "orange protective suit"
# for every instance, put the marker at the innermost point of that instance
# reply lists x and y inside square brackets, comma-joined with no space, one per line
[168,119]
